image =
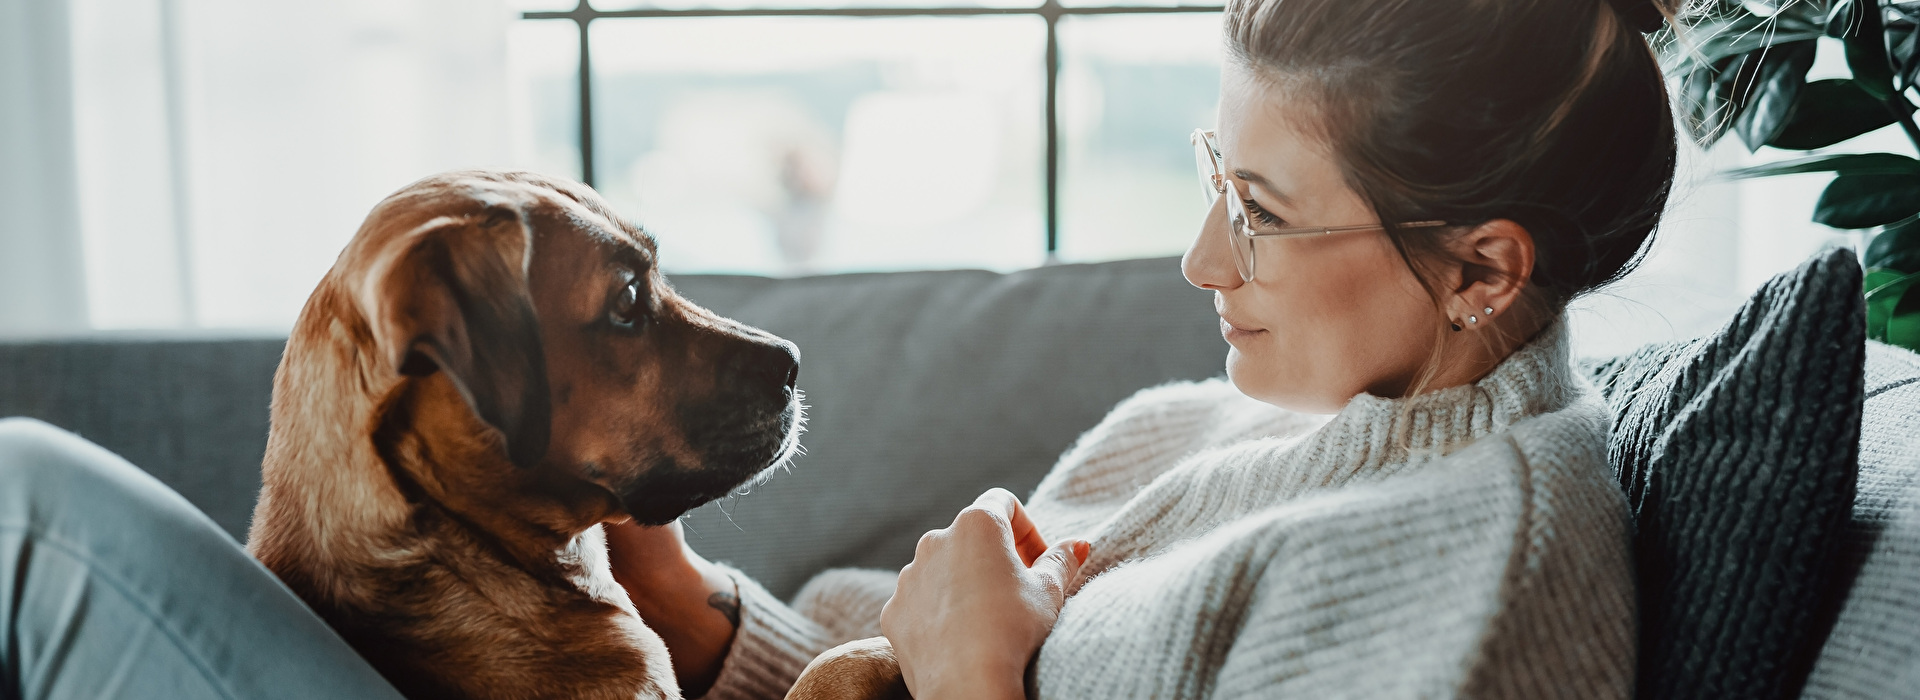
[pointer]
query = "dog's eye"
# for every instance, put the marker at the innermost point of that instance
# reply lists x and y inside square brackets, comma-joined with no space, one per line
[627,312]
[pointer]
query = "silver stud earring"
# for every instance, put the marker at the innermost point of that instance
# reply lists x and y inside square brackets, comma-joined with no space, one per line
[1489,310]
[1473,319]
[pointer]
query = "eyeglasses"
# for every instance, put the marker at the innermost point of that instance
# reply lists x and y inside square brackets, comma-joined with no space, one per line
[1240,228]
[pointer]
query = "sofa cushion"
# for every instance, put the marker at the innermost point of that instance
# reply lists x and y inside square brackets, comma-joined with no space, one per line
[1737,455]
[1874,649]
[928,388]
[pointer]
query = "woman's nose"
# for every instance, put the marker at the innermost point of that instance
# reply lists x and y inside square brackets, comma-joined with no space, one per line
[1208,263]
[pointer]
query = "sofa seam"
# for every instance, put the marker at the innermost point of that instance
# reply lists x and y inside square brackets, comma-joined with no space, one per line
[1903,381]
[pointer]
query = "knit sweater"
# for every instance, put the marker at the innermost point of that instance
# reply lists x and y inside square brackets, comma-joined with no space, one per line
[1467,542]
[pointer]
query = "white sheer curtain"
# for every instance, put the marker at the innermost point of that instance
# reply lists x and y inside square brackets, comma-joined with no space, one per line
[40,260]
[226,149]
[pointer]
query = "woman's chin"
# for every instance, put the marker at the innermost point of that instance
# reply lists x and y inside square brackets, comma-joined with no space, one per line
[1244,373]
[1281,390]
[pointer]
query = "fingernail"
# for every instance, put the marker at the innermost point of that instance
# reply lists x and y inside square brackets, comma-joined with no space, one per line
[1080,550]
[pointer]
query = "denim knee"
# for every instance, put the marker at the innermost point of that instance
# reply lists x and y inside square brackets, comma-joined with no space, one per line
[50,477]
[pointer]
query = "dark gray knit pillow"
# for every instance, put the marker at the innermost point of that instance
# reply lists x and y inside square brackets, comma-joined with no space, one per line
[1737,453]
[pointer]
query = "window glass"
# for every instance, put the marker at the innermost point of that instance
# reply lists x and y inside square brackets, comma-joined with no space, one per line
[619,5]
[1132,89]
[793,145]
[1139,3]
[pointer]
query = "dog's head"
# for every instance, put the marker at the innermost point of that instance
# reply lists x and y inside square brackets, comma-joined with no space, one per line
[533,359]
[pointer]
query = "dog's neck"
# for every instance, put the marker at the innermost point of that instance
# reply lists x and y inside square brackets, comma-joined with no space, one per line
[322,482]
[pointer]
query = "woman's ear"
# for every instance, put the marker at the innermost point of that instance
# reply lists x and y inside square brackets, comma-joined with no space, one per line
[1496,260]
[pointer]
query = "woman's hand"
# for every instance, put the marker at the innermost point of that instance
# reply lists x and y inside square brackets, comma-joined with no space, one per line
[980,596]
[688,601]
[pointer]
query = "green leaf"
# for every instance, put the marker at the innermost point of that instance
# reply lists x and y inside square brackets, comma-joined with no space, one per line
[1866,42]
[1897,248]
[1719,60]
[1903,327]
[1904,330]
[1767,101]
[1704,106]
[1878,277]
[1860,201]
[1840,20]
[1883,291]
[1828,112]
[1900,44]
[1844,164]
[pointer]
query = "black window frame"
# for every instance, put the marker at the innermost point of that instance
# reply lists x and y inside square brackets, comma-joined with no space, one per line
[584,14]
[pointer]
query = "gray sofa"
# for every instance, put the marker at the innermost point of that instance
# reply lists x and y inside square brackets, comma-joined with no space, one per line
[926,388]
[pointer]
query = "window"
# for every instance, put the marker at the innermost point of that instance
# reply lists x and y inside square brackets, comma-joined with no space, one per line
[784,138]
[221,152]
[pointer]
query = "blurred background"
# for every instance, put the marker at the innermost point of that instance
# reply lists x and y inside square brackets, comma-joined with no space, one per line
[195,165]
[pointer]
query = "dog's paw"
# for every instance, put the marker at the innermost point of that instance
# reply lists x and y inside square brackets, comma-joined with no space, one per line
[863,669]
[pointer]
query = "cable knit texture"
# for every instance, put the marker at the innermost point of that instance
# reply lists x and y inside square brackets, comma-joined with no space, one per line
[1466,542]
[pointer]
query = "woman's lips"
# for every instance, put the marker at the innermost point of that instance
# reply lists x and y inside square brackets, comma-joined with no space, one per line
[1233,333]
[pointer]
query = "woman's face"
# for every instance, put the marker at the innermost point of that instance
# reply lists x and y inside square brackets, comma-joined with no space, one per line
[1326,317]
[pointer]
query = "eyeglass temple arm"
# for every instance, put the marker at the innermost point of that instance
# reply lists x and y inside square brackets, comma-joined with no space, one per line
[1325,230]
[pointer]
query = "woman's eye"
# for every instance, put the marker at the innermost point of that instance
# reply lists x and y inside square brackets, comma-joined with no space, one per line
[1262,217]
[626,311]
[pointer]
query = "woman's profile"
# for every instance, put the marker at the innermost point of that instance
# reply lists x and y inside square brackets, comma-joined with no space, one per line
[1399,489]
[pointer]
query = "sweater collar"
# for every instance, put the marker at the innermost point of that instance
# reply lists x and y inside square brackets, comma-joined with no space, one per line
[1379,435]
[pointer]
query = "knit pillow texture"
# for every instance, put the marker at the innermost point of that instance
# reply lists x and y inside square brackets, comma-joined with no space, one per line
[1737,452]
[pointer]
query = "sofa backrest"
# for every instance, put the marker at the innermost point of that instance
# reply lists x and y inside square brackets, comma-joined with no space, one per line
[192,412]
[926,389]
[1873,650]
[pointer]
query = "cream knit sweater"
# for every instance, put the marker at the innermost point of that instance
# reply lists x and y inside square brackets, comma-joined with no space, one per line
[1469,542]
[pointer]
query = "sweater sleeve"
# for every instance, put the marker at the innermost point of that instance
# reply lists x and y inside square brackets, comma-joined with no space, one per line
[775,640]
[1486,574]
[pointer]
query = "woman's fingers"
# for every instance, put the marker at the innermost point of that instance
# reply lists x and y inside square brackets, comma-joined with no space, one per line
[1025,536]
[979,597]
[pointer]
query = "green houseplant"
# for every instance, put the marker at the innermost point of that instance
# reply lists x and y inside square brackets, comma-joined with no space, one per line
[1742,67]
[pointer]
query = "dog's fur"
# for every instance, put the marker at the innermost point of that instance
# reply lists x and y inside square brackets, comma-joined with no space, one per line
[863,669]
[461,405]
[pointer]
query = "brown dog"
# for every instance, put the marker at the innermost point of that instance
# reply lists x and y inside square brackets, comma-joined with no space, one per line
[493,367]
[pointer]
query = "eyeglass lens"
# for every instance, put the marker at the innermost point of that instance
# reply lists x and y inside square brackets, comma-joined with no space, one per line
[1214,182]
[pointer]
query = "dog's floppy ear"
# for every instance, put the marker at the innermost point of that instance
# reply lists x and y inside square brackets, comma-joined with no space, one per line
[454,298]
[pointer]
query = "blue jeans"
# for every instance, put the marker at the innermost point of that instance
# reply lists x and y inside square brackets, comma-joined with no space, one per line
[113,586]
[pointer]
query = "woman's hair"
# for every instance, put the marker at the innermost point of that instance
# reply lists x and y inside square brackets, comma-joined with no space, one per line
[1549,113]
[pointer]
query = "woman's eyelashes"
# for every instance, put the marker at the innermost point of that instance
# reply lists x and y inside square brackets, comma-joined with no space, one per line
[1261,216]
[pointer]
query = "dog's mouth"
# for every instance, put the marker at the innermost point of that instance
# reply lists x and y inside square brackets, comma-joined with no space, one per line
[736,459]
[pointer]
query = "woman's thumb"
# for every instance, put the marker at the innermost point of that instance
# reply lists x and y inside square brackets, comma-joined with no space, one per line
[1063,560]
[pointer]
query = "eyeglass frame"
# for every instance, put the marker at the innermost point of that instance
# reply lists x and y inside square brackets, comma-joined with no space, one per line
[1214,181]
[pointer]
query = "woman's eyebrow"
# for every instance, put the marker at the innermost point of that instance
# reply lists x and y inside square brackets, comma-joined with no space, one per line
[1256,178]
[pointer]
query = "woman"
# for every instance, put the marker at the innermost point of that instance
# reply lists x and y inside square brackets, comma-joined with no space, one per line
[1408,192]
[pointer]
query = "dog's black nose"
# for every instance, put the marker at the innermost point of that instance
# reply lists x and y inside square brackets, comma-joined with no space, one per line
[773,361]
